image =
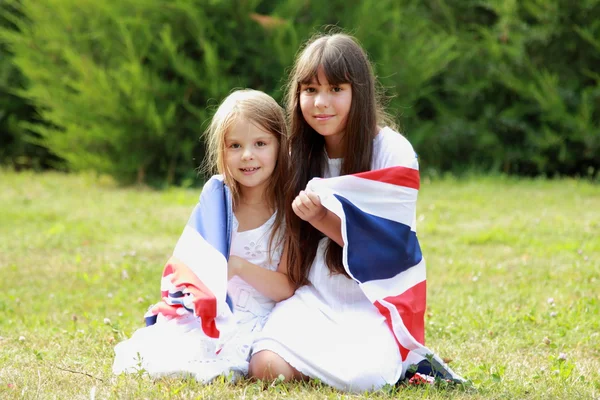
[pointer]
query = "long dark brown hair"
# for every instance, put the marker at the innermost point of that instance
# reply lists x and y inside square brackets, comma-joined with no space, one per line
[261,109]
[343,61]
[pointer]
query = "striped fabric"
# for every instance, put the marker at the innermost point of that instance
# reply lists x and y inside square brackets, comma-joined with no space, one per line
[194,280]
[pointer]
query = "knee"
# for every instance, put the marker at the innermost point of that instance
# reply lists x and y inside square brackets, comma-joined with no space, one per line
[267,366]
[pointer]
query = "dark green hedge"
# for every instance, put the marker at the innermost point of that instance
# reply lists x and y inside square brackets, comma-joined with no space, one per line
[126,87]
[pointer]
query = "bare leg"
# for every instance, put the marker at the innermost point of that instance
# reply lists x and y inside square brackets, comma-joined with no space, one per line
[267,366]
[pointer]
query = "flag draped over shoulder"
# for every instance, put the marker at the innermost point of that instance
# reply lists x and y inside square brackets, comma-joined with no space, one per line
[382,253]
[191,331]
[194,280]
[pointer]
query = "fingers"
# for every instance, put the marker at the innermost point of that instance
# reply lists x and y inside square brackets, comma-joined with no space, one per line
[302,204]
[307,205]
[314,198]
[305,201]
[299,208]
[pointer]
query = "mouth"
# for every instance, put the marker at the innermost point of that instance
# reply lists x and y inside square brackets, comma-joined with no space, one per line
[323,117]
[249,170]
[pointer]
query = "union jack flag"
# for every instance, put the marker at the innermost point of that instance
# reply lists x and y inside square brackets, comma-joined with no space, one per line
[194,280]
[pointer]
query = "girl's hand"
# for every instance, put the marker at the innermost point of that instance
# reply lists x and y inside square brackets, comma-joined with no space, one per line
[234,266]
[307,206]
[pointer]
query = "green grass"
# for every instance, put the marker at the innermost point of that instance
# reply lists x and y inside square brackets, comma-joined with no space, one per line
[75,250]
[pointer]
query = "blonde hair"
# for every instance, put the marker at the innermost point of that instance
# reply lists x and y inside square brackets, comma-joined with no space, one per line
[261,109]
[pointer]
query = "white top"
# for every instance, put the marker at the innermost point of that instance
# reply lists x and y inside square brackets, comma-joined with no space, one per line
[389,149]
[253,246]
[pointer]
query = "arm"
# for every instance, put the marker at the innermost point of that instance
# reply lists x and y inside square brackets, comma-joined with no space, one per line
[273,284]
[307,206]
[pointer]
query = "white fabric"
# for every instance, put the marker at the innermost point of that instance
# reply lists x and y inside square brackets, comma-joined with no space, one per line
[189,245]
[382,288]
[329,329]
[189,352]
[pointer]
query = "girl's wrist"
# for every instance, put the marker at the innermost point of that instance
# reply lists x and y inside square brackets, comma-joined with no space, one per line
[319,218]
[239,267]
[234,266]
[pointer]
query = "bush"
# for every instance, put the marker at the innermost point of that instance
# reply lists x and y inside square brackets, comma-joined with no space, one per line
[16,150]
[123,87]
[523,96]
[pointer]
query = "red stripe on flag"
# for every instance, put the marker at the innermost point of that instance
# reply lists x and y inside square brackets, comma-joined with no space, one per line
[166,272]
[411,306]
[399,176]
[388,320]
[205,302]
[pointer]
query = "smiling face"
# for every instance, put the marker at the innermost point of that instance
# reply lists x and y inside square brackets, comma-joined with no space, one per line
[250,155]
[325,108]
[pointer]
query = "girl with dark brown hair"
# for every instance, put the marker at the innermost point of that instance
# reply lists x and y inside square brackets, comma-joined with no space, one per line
[329,329]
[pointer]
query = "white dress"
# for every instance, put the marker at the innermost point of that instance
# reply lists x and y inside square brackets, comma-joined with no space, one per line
[251,308]
[329,329]
[176,348]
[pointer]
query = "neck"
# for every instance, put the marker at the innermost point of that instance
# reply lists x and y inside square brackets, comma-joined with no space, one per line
[253,195]
[334,146]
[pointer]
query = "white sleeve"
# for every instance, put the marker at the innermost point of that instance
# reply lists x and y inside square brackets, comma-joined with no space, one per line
[392,149]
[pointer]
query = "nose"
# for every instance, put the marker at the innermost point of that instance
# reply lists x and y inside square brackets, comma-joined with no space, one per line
[322,100]
[247,154]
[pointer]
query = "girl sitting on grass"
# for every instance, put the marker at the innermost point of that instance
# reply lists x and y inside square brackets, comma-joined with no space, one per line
[357,321]
[192,333]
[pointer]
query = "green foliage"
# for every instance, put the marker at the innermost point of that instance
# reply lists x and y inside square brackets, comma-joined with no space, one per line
[127,87]
[522,96]
[15,148]
[123,86]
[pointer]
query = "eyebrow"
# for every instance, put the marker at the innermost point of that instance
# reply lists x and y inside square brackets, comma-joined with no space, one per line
[314,80]
[316,83]
[262,137]
[265,137]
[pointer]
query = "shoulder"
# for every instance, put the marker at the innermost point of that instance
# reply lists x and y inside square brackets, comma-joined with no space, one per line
[391,148]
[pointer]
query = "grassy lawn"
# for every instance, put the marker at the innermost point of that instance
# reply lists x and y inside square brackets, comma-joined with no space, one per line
[513,287]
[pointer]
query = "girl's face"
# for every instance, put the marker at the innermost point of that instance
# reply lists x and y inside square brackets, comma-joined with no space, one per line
[250,154]
[325,108]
